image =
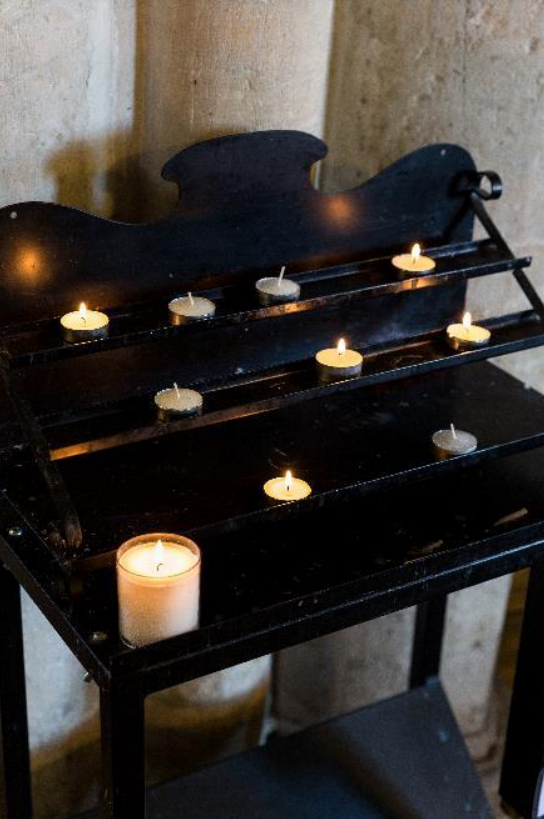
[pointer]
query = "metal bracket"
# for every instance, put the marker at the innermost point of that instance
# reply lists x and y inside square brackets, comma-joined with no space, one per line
[479,192]
[70,539]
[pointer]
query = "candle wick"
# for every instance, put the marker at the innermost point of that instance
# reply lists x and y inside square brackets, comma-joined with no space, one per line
[191,298]
[453,432]
[176,389]
[280,277]
[159,566]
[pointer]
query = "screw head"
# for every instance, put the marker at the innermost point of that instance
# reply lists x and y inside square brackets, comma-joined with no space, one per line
[15,531]
[98,637]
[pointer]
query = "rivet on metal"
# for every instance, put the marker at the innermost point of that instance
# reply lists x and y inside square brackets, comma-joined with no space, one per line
[15,531]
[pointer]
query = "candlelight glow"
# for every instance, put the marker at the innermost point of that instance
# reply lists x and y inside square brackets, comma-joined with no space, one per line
[467,320]
[159,554]
[416,250]
[341,347]
[83,311]
[288,480]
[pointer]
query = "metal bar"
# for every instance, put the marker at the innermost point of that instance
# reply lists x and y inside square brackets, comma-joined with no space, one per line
[72,536]
[123,751]
[286,386]
[493,231]
[428,637]
[15,790]
[334,286]
[521,784]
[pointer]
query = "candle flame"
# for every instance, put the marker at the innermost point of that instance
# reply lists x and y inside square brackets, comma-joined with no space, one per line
[416,250]
[467,320]
[83,311]
[288,480]
[453,432]
[190,297]
[282,271]
[159,554]
[341,347]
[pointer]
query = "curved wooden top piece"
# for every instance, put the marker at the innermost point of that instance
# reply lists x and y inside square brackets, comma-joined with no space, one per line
[246,206]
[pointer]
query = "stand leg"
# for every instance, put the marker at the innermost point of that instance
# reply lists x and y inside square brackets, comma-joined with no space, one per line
[523,764]
[427,646]
[15,789]
[123,750]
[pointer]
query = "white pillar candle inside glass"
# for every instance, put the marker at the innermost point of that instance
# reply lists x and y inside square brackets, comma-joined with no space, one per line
[467,336]
[448,443]
[277,289]
[287,488]
[158,586]
[338,362]
[413,262]
[175,402]
[190,308]
[84,325]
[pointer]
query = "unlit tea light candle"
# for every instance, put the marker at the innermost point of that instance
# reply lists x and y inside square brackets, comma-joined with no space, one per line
[413,262]
[277,289]
[190,308]
[177,401]
[448,443]
[338,362]
[467,336]
[84,325]
[287,488]
[158,585]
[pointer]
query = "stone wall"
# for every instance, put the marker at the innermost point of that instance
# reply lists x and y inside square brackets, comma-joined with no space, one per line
[96,95]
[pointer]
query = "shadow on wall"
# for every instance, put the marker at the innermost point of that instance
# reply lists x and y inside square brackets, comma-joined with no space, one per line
[118,175]
[179,739]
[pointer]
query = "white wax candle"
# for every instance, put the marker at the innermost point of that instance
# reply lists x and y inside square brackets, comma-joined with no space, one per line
[84,325]
[467,336]
[190,308]
[277,289]
[158,585]
[287,488]
[338,362]
[177,401]
[413,262]
[448,443]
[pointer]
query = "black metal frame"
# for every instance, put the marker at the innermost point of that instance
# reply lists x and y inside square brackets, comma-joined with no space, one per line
[338,246]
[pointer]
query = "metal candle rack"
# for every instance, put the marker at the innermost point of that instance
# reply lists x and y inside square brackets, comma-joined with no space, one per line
[86,463]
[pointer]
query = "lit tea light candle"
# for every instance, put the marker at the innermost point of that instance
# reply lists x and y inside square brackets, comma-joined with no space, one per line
[190,308]
[158,585]
[276,289]
[413,262]
[287,488]
[175,401]
[338,362]
[84,325]
[467,336]
[448,443]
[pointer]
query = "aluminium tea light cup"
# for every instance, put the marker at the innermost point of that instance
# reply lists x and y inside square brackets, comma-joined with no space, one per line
[338,362]
[84,325]
[276,289]
[287,488]
[467,336]
[176,402]
[185,309]
[413,263]
[449,443]
[158,585]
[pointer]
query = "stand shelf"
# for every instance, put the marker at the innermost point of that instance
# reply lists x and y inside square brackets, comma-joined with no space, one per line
[86,464]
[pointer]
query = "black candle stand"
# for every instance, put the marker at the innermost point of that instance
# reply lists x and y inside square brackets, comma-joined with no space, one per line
[86,464]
